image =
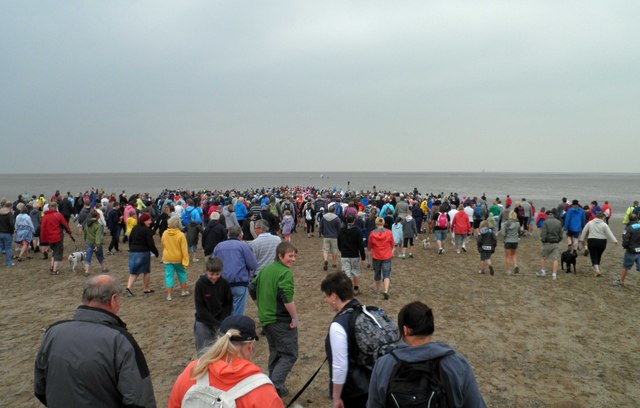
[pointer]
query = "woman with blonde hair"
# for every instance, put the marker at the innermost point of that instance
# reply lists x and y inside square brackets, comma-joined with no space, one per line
[225,364]
[175,256]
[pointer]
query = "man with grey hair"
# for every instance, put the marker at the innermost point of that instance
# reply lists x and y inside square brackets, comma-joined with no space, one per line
[264,246]
[238,263]
[92,360]
[330,225]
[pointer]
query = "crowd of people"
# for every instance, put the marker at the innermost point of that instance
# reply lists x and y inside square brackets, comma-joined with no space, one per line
[245,240]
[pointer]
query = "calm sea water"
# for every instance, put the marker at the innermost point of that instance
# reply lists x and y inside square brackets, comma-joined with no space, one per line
[543,189]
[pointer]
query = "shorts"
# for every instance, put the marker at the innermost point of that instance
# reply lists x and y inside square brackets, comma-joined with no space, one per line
[550,251]
[407,242]
[381,269]
[57,249]
[630,259]
[139,262]
[476,223]
[441,235]
[511,245]
[573,234]
[485,255]
[351,266]
[459,239]
[174,268]
[330,245]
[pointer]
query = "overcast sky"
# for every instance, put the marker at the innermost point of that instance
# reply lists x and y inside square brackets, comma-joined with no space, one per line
[103,86]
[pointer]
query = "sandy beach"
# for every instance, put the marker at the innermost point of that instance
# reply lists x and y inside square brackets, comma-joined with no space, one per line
[532,342]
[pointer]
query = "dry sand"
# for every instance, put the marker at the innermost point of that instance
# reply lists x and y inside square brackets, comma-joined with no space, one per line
[532,342]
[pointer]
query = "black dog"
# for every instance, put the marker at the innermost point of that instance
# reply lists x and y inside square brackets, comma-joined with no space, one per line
[569,257]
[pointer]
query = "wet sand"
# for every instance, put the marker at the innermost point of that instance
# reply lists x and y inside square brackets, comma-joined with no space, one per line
[532,342]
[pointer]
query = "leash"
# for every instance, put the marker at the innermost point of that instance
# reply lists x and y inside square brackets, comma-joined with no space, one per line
[304,387]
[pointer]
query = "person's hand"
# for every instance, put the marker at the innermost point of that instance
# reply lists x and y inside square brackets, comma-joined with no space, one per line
[337,403]
[294,323]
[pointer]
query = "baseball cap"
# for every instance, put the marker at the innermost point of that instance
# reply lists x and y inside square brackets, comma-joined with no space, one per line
[245,325]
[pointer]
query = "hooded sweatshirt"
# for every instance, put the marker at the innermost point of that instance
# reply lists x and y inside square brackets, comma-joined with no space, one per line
[597,229]
[7,221]
[463,386]
[224,375]
[213,301]
[174,247]
[93,231]
[50,232]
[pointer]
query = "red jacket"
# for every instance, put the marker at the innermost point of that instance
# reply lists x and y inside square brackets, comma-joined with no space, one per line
[50,232]
[460,224]
[224,375]
[380,243]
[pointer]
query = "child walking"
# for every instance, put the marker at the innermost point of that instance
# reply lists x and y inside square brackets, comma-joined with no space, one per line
[398,233]
[213,299]
[287,225]
[175,256]
[486,246]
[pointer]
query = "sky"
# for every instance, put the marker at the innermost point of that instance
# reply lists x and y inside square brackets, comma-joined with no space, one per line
[147,86]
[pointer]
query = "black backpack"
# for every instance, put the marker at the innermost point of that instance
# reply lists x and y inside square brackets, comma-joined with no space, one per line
[418,384]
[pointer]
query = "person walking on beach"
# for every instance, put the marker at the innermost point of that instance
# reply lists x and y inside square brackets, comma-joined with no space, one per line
[329,229]
[574,221]
[409,233]
[461,227]
[7,229]
[351,249]
[175,257]
[597,232]
[486,246]
[93,235]
[114,221]
[52,236]
[441,223]
[551,236]
[92,360]
[631,244]
[238,262]
[24,230]
[141,245]
[511,233]
[264,246]
[273,290]
[380,244]
[416,326]
[213,234]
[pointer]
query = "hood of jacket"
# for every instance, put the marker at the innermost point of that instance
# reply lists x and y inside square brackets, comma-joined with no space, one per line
[90,221]
[5,210]
[173,231]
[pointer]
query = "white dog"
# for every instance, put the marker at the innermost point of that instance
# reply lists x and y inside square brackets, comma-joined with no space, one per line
[76,257]
[426,244]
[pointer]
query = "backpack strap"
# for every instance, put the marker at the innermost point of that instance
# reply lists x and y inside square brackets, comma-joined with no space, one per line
[243,387]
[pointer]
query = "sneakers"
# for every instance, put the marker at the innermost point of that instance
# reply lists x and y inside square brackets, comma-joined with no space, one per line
[109,252]
[516,269]
[464,248]
[541,273]
[326,266]
[130,293]
[440,251]
[385,295]
[184,293]
[480,272]
[509,272]
[490,270]
[169,298]
[554,276]
[403,257]
[410,255]
[458,252]
[617,282]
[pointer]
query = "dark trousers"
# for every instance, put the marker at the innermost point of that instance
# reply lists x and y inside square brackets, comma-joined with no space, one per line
[115,236]
[283,352]
[596,249]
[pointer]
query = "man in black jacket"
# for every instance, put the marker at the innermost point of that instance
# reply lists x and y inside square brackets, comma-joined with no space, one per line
[631,244]
[352,252]
[213,234]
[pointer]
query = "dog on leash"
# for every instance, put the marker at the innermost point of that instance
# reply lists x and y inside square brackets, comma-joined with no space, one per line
[569,257]
[426,244]
[76,257]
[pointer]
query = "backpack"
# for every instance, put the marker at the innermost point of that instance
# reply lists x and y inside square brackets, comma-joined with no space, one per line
[338,209]
[196,215]
[418,384]
[307,214]
[185,216]
[442,220]
[202,395]
[374,334]
[477,212]
[287,206]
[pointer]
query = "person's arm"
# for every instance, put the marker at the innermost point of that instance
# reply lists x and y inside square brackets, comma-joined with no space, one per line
[293,312]
[150,244]
[340,362]
[249,258]
[610,234]
[39,375]
[133,379]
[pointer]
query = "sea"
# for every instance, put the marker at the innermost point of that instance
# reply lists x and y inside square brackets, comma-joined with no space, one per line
[543,189]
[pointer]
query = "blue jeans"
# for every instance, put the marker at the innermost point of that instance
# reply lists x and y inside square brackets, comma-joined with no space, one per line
[89,250]
[205,336]
[6,242]
[239,294]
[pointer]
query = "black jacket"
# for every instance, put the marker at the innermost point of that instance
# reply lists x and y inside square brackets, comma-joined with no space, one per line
[141,240]
[350,242]
[213,234]
[213,301]
[631,238]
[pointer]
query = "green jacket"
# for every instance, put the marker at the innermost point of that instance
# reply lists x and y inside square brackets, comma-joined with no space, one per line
[271,289]
[93,232]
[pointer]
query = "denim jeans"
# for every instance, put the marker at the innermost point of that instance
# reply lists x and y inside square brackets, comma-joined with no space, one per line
[239,294]
[90,251]
[6,243]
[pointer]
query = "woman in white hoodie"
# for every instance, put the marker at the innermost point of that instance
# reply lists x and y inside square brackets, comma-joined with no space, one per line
[597,232]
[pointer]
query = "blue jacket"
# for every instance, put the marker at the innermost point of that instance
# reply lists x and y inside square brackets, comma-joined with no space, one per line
[240,210]
[574,219]
[237,261]
[463,386]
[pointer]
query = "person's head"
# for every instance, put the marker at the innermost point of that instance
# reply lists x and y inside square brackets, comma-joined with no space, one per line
[213,268]
[336,287]
[237,338]
[53,205]
[145,219]
[415,319]
[332,208]
[379,222]
[575,202]
[601,216]
[286,253]
[215,216]
[230,208]
[350,219]
[103,292]
[261,226]
[398,219]
[287,212]
[513,215]
[235,232]
[24,209]
[94,214]
[173,222]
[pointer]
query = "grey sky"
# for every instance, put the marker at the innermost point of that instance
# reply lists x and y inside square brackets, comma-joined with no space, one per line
[102,86]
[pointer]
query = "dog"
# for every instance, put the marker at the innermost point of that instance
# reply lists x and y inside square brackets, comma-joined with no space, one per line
[569,257]
[76,257]
[426,244]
